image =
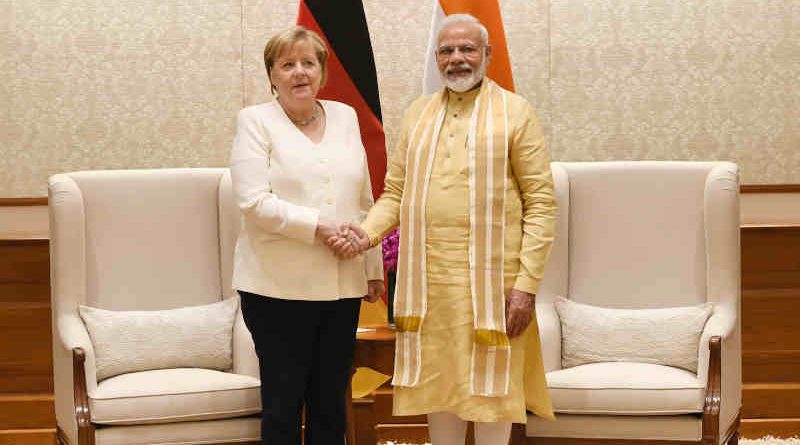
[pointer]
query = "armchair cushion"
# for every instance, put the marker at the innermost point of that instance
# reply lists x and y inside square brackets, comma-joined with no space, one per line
[174,395]
[188,337]
[665,336]
[621,388]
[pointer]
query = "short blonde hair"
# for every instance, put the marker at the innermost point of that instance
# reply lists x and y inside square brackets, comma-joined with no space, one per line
[288,37]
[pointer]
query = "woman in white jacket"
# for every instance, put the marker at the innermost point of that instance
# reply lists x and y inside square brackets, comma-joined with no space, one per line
[300,176]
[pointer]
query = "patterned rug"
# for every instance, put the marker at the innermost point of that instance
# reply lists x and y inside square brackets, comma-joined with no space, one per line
[768,440]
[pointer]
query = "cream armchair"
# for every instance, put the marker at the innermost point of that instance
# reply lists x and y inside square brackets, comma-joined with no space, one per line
[637,235]
[146,240]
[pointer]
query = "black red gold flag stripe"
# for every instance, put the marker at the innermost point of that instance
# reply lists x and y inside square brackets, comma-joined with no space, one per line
[351,72]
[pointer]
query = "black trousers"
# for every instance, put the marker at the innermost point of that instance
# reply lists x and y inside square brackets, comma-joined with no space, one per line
[305,353]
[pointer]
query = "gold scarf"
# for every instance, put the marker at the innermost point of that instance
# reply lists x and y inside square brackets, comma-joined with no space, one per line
[487,145]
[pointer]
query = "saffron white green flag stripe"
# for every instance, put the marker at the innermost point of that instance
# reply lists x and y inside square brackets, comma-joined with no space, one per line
[488,13]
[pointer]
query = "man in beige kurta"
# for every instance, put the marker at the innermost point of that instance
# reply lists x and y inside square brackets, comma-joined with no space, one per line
[444,385]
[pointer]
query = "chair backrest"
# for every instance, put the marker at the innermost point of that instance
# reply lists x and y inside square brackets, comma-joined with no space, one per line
[642,234]
[143,239]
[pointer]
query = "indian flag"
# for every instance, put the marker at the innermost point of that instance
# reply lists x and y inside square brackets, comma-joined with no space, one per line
[488,13]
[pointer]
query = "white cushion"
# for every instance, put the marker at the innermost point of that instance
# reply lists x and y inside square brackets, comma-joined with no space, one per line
[189,337]
[666,336]
[621,388]
[230,431]
[173,395]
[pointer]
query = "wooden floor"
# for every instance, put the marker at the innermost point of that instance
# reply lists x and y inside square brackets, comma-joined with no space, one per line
[26,386]
[770,326]
[771,331]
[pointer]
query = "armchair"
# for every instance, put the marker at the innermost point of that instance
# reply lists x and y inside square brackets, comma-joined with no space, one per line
[146,240]
[636,235]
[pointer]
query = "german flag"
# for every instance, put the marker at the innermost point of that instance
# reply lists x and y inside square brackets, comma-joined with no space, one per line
[352,80]
[351,72]
[488,13]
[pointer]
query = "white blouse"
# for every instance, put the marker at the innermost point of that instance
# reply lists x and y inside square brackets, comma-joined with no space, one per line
[283,183]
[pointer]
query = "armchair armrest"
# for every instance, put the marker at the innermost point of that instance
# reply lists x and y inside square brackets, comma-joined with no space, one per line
[549,334]
[73,335]
[74,378]
[720,366]
[721,324]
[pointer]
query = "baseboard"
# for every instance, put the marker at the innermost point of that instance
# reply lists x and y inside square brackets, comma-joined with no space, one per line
[26,411]
[755,428]
[771,400]
[44,436]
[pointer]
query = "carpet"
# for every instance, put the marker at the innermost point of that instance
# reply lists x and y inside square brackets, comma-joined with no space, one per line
[768,440]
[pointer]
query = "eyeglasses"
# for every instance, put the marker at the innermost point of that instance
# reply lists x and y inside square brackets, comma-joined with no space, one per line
[446,51]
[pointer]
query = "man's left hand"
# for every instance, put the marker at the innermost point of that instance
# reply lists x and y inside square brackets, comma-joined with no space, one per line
[375,290]
[519,310]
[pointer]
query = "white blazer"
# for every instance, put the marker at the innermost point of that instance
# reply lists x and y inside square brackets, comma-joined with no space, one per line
[283,184]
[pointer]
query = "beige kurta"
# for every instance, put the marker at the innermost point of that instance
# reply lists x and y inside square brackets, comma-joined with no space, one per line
[447,329]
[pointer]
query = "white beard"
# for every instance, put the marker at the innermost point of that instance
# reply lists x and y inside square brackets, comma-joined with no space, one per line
[463,84]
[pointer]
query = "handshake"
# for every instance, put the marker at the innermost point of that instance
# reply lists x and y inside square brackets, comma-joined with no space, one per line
[346,240]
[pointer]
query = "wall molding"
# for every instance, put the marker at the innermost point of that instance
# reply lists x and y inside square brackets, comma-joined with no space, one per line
[770,188]
[23,202]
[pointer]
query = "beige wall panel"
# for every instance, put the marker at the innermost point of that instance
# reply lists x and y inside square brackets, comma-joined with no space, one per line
[770,208]
[694,80]
[527,25]
[24,222]
[126,84]
[399,33]
[117,84]
[262,19]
